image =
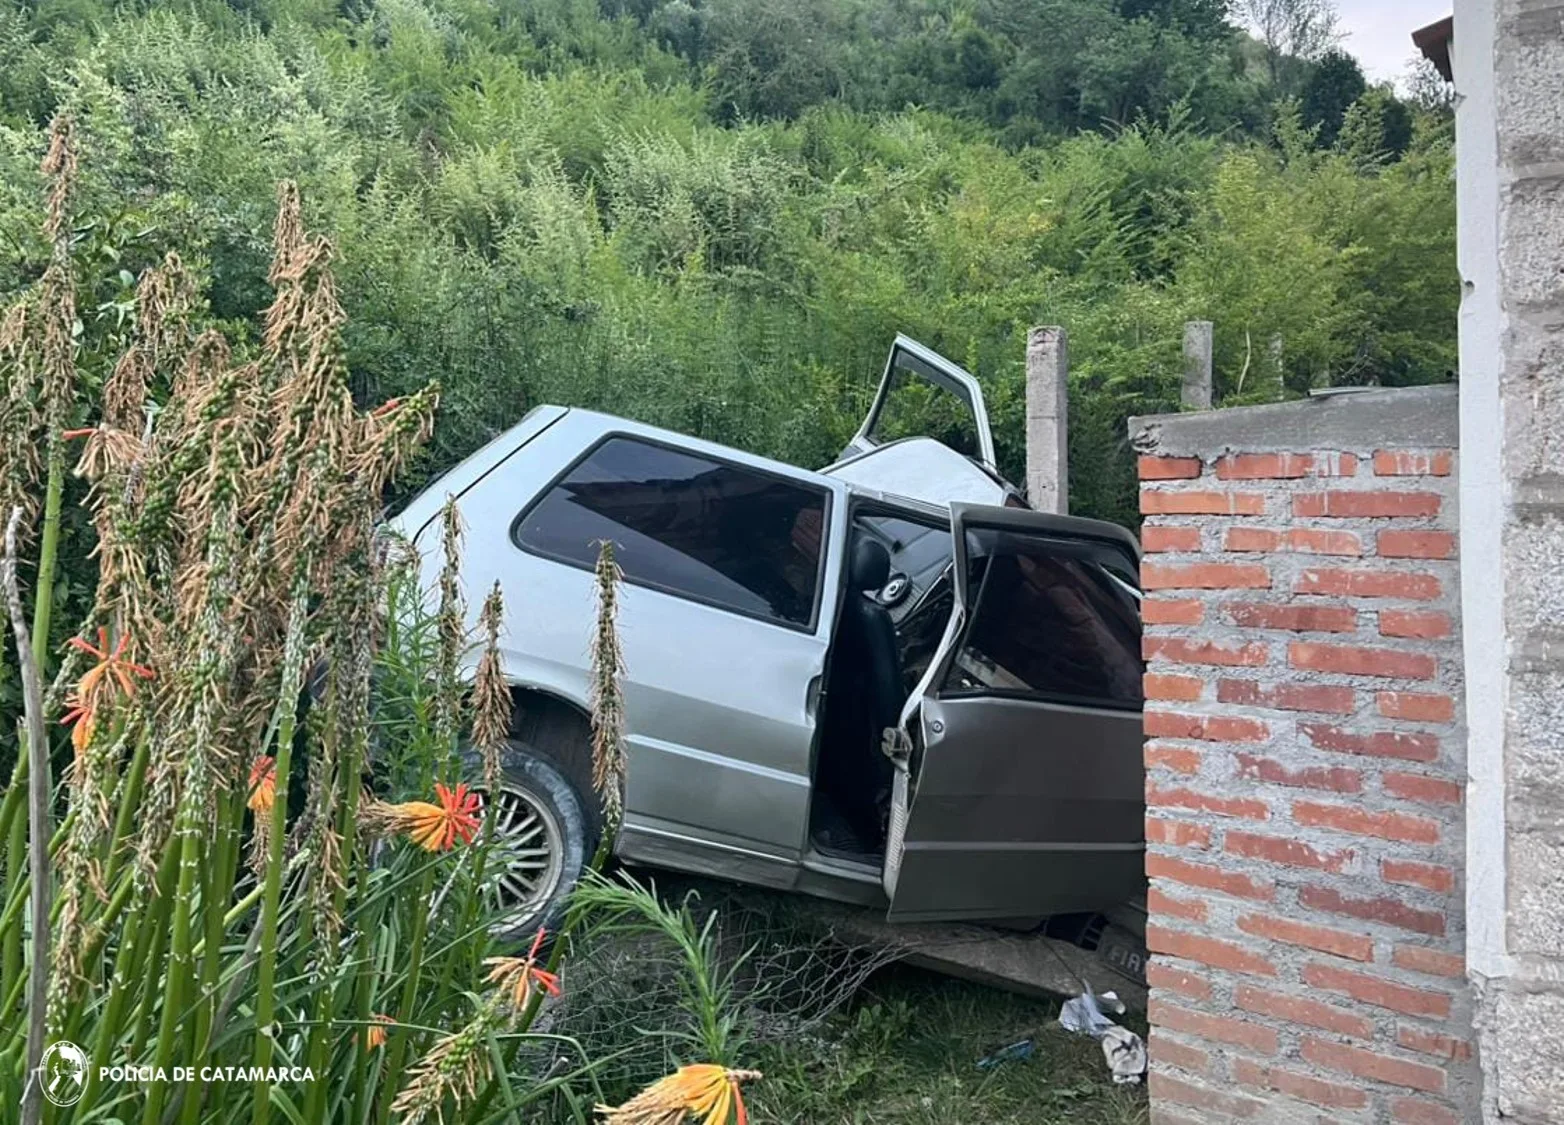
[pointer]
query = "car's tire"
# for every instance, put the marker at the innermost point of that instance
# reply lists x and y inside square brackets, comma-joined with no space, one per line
[544,837]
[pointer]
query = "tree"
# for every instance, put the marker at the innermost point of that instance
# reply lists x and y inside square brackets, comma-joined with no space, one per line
[1333,84]
[1290,29]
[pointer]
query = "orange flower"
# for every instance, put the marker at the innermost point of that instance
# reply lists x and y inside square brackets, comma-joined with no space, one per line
[517,975]
[375,1033]
[436,828]
[111,669]
[85,720]
[263,784]
[700,1089]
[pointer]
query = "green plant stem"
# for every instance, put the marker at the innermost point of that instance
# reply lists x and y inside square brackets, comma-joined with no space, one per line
[398,1035]
[134,939]
[217,892]
[271,903]
[188,842]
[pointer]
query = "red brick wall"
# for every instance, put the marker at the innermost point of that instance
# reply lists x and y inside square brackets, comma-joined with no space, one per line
[1304,771]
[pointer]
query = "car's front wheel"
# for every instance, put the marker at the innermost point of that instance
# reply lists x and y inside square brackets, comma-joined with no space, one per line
[543,841]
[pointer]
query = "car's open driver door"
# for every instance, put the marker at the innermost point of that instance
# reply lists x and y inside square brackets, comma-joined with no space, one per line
[1020,793]
[923,394]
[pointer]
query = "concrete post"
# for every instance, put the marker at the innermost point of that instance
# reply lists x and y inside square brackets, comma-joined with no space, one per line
[1196,392]
[1047,420]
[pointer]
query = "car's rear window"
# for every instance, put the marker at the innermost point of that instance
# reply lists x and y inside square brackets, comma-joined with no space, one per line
[715,532]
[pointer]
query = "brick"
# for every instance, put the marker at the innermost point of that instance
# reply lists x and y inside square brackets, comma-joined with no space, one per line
[1363,505]
[1372,1065]
[1181,651]
[1204,875]
[1245,808]
[1251,539]
[1416,1111]
[1289,853]
[1415,544]
[1365,822]
[1170,611]
[1405,745]
[1164,538]
[1377,991]
[1332,779]
[1179,759]
[1206,728]
[1297,1009]
[1319,541]
[1430,876]
[1419,707]
[1192,910]
[1181,981]
[1164,502]
[1207,951]
[1182,1055]
[1166,1088]
[1169,468]
[1406,623]
[1204,576]
[1284,466]
[1433,962]
[1296,618]
[1354,660]
[1355,947]
[1430,1043]
[1390,911]
[1401,463]
[1305,1087]
[1328,698]
[1340,583]
[1218,1029]
[1184,689]
[1179,833]
[1426,790]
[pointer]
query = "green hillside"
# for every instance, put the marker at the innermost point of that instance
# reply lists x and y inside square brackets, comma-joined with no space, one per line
[714,214]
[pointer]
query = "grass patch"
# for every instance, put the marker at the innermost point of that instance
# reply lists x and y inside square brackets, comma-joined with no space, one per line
[906,1053]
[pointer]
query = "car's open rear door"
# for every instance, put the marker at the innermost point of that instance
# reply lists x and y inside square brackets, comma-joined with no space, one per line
[923,394]
[1020,793]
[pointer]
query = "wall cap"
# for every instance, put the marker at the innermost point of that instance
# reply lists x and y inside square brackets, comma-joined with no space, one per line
[1390,418]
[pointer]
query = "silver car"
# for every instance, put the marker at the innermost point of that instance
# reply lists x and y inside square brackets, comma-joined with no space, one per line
[886,681]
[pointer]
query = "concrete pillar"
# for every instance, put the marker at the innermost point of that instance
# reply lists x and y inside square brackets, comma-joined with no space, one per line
[1509,69]
[1047,420]
[1196,392]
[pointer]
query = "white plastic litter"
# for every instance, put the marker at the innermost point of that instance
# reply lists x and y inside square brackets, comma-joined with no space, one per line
[1124,1050]
[1126,1054]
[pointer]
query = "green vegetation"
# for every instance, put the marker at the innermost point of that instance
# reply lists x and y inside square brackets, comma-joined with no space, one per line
[906,1053]
[713,216]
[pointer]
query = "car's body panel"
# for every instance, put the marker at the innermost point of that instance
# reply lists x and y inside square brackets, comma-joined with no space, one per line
[719,757]
[920,469]
[1018,805]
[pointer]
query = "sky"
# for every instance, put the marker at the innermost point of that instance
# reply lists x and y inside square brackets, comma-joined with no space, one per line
[1379,32]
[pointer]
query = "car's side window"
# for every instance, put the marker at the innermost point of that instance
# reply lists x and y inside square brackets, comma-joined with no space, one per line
[1049,621]
[715,532]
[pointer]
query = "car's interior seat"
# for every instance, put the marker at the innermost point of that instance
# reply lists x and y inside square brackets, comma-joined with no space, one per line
[865,695]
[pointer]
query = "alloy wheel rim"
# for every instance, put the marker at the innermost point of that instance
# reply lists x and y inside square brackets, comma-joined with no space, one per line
[526,856]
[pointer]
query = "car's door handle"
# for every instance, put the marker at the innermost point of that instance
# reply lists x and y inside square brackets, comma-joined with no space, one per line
[813,694]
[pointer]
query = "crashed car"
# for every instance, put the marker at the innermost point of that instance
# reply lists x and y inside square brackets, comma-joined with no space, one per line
[887,681]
